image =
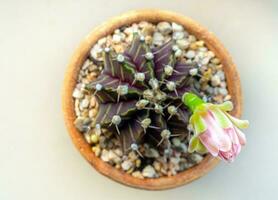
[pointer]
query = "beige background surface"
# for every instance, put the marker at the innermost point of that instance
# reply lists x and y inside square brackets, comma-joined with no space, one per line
[38,160]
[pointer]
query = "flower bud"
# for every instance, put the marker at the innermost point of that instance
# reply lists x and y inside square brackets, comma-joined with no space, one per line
[148,94]
[139,76]
[154,83]
[122,89]
[145,123]
[168,70]
[171,85]
[158,108]
[141,104]
[172,110]
[116,119]
[165,134]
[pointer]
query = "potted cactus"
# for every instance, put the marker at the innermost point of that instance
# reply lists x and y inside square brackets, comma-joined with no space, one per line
[141,108]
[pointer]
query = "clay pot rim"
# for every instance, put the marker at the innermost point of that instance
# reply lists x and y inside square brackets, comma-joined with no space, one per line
[79,56]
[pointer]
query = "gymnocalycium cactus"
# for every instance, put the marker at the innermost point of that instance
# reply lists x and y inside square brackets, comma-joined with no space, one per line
[139,94]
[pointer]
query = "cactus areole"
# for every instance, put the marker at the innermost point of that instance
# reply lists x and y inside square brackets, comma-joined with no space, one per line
[140,94]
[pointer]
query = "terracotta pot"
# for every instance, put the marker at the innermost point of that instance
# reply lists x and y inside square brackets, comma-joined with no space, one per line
[81,54]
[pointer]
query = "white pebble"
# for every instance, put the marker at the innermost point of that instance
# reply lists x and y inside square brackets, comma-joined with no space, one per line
[84,103]
[178,53]
[116,38]
[164,28]
[77,94]
[126,165]
[176,27]
[114,157]
[190,54]
[149,172]
[178,35]
[183,44]
[223,91]
[96,52]
[158,38]
[151,153]
[196,157]
[215,80]
[104,155]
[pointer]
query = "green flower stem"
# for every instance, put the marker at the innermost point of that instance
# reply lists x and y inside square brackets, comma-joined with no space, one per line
[191,100]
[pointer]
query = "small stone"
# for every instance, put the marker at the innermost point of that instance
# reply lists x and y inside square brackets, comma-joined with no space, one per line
[223,84]
[178,35]
[200,43]
[105,155]
[176,27]
[221,75]
[164,28]
[84,103]
[215,61]
[87,137]
[116,38]
[205,61]
[149,172]
[151,153]
[94,138]
[81,123]
[184,147]
[132,156]
[227,98]
[176,142]
[101,42]
[148,39]
[196,157]
[157,166]
[77,94]
[215,80]
[96,150]
[137,174]
[148,30]
[114,157]
[190,54]
[191,38]
[138,163]
[183,44]
[178,53]
[223,91]
[158,39]
[126,165]
[119,152]
[96,52]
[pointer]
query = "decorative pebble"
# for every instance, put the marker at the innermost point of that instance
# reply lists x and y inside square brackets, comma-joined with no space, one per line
[183,43]
[151,153]
[158,38]
[126,165]
[77,94]
[190,54]
[178,35]
[105,155]
[149,172]
[215,80]
[137,174]
[84,103]
[176,27]
[196,157]
[164,28]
